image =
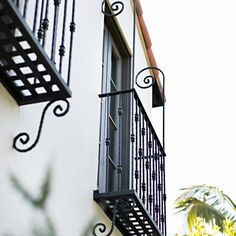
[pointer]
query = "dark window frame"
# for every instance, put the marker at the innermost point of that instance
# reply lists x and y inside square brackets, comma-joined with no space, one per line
[121,53]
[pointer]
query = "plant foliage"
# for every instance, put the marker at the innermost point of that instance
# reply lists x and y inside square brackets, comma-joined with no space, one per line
[208,203]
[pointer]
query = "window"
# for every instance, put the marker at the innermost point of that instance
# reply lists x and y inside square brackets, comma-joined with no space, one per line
[116,69]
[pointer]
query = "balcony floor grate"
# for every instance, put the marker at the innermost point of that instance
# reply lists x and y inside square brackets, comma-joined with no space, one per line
[134,221]
[25,69]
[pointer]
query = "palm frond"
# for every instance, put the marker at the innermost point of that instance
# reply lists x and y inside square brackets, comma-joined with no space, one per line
[210,195]
[207,212]
[207,202]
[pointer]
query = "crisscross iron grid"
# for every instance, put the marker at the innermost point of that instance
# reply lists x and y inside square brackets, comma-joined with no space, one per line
[134,221]
[25,69]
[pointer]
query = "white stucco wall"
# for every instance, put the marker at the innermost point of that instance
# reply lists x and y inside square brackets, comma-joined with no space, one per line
[69,144]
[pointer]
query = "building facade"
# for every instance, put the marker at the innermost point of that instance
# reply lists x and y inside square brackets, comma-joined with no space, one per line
[78,151]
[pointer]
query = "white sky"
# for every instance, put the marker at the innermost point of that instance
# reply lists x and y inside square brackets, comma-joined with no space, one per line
[195,45]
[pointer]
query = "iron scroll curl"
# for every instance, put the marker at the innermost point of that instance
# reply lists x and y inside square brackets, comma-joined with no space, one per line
[116,7]
[24,137]
[148,80]
[121,205]
[101,228]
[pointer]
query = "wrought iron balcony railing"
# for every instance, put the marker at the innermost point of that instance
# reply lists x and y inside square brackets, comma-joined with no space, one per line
[132,192]
[36,40]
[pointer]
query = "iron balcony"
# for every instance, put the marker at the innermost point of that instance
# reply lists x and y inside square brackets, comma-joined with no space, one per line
[134,194]
[36,49]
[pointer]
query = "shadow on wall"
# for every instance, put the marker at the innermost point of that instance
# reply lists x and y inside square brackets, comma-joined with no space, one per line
[46,226]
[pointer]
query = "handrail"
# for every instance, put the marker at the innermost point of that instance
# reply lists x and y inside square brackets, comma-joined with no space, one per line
[115,93]
[103,95]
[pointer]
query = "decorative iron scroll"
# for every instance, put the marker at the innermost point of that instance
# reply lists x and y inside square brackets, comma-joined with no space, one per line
[148,80]
[116,7]
[121,205]
[24,138]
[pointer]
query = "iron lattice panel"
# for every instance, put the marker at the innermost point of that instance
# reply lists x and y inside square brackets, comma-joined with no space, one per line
[130,220]
[25,69]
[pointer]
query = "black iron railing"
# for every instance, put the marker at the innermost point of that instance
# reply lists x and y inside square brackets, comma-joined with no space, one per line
[134,157]
[53,24]
[36,44]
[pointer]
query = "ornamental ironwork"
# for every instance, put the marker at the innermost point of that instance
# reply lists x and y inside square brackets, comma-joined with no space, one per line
[115,8]
[146,81]
[24,138]
[121,206]
[143,167]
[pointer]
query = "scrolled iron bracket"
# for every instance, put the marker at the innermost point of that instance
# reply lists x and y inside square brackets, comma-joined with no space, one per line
[148,80]
[116,8]
[121,205]
[24,137]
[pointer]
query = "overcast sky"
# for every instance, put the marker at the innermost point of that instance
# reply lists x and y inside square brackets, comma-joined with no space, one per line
[195,45]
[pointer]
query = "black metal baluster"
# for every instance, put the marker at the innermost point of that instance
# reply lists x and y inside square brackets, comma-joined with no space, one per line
[157,206]
[45,23]
[147,166]
[132,140]
[160,188]
[136,146]
[140,153]
[25,8]
[40,30]
[150,168]
[72,30]
[107,142]
[163,192]
[153,177]
[62,46]
[159,185]
[156,182]
[120,114]
[143,159]
[55,25]
[35,15]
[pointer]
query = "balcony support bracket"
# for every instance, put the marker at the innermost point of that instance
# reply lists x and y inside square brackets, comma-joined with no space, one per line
[24,137]
[122,205]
